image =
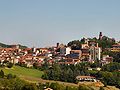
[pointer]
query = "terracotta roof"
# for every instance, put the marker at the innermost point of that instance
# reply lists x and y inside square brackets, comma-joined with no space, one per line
[85,77]
[116,45]
[76,51]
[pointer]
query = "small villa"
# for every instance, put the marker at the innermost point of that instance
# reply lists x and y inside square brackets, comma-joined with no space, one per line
[86,78]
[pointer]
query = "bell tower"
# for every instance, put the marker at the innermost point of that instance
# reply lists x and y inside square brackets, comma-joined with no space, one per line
[100,36]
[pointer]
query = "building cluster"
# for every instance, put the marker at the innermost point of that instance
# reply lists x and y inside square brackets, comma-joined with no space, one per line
[27,56]
[61,54]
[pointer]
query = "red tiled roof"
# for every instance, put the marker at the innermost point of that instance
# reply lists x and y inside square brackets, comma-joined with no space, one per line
[85,77]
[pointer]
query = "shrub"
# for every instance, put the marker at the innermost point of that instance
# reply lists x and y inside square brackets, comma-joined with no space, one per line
[101,88]
[30,87]
[9,65]
[83,87]
[1,74]
[9,76]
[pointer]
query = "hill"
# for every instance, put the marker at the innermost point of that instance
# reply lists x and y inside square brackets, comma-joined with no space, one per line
[9,46]
[4,45]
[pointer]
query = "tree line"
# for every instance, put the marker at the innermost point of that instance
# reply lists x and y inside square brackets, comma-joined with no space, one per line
[109,74]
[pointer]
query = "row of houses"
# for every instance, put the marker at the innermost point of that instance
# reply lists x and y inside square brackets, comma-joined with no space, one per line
[27,56]
[89,52]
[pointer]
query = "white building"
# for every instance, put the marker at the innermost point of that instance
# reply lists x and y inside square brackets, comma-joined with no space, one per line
[68,49]
[65,50]
[95,53]
[106,59]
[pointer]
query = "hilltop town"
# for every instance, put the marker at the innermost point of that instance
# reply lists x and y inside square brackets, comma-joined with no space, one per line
[85,60]
[86,50]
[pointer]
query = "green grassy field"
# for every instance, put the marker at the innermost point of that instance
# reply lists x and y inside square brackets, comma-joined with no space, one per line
[22,71]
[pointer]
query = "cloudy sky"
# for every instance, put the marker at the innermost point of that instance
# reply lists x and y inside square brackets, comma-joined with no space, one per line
[45,22]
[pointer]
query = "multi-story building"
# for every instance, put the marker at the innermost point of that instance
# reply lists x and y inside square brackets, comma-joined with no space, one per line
[115,48]
[106,59]
[85,51]
[65,50]
[95,53]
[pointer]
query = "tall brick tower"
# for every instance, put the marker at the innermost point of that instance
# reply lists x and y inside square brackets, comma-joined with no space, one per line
[100,36]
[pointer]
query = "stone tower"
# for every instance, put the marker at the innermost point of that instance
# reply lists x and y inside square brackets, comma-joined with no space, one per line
[100,36]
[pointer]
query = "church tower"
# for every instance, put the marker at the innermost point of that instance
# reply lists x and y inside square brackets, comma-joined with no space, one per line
[100,36]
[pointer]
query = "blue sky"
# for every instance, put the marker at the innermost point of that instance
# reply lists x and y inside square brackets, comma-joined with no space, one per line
[45,22]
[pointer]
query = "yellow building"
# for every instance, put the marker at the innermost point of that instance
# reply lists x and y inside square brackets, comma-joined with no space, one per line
[115,48]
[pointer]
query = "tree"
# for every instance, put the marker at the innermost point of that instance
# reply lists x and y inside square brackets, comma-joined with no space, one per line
[56,86]
[45,66]
[70,76]
[83,87]
[9,65]
[30,87]
[1,74]
[57,71]
[35,65]
[9,76]
[75,45]
[71,88]
[101,88]
[63,76]
[111,67]
[116,57]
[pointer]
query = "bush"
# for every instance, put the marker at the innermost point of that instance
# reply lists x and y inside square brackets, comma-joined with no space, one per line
[5,61]
[30,87]
[9,76]
[1,74]
[35,65]
[83,87]
[101,88]
[56,86]
[71,88]
[9,65]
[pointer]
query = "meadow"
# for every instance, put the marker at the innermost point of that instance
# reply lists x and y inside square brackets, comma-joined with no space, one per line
[22,71]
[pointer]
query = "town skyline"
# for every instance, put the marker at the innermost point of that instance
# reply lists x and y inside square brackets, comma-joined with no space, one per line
[41,23]
[62,43]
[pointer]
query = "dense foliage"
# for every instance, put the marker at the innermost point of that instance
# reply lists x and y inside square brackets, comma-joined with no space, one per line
[106,42]
[111,67]
[66,73]
[75,45]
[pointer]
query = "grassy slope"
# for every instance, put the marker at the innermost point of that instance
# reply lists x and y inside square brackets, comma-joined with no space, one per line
[21,71]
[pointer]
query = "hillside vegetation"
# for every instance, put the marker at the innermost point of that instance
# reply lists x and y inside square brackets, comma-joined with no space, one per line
[9,46]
